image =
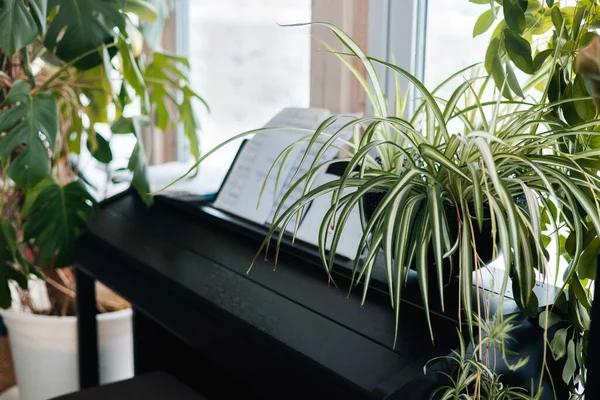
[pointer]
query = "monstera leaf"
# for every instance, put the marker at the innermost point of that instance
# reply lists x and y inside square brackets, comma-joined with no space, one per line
[57,217]
[31,128]
[18,26]
[89,25]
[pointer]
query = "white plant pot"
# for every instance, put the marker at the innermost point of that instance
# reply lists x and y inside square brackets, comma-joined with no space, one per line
[44,350]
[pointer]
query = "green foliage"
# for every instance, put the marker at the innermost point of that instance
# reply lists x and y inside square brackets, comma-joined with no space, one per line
[519,51]
[514,16]
[170,92]
[562,40]
[138,165]
[18,28]
[528,168]
[57,216]
[87,25]
[81,49]
[99,148]
[474,377]
[484,22]
[505,164]
[9,256]
[22,124]
[137,162]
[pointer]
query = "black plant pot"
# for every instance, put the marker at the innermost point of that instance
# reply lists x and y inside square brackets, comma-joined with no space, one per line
[483,237]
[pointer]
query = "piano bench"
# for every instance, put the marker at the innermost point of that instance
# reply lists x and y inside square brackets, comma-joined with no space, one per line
[151,386]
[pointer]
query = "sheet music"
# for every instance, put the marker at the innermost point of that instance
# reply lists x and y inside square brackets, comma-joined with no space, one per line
[241,190]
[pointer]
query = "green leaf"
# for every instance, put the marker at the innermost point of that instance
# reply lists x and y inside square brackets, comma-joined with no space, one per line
[580,293]
[58,216]
[142,9]
[538,24]
[190,123]
[540,57]
[167,77]
[548,319]
[587,262]
[493,66]
[531,309]
[571,364]
[89,25]
[513,82]
[584,108]
[38,10]
[558,345]
[569,111]
[31,194]
[480,1]
[17,26]
[100,148]
[435,207]
[557,85]
[484,22]
[514,16]
[9,253]
[557,19]
[595,24]
[519,51]
[491,54]
[98,89]
[8,244]
[23,123]
[122,126]
[533,6]
[477,195]
[139,166]
[132,73]
[549,3]
[568,13]
[579,13]
[466,266]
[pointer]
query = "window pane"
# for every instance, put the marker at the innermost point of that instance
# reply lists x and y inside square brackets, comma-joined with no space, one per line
[450,43]
[246,66]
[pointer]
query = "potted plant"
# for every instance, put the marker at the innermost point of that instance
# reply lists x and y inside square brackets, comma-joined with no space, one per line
[449,167]
[556,42]
[72,75]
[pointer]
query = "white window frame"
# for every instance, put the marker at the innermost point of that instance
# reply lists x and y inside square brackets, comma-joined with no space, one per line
[398,34]
[182,26]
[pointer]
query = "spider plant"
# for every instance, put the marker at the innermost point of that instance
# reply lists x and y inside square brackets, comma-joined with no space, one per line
[475,377]
[445,170]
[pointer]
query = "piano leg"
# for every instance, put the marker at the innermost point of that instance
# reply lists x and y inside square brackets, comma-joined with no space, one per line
[87,329]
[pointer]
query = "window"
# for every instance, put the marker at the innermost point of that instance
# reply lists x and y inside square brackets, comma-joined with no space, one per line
[246,66]
[449,38]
